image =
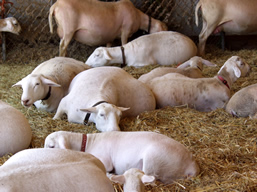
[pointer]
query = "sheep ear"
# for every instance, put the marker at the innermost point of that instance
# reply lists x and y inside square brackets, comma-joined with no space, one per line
[49,82]
[184,65]
[208,63]
[90,110]
[123,108]
[118,179]
[148,179]
[18,84]
[106,55]
[237,71]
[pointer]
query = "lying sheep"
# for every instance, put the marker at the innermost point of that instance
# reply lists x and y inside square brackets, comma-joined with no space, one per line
[96,23]
[204,94]
[191,68]
[155,154]
[163,48]
[44,170]
[10,24]
[133,180]
[15,131]
[48,83]
[94,95]
[243,102]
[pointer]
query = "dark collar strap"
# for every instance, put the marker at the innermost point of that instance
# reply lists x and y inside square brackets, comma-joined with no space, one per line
[48,94]
[149,24]
[123,57]
[88,114]
[199,68]
[84,142]
[223,81]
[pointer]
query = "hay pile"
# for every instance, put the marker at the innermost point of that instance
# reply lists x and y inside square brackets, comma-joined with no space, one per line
[224,147]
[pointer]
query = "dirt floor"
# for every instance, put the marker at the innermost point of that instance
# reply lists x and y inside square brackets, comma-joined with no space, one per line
[224,146]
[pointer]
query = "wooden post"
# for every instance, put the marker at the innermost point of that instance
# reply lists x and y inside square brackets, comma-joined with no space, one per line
[3,33]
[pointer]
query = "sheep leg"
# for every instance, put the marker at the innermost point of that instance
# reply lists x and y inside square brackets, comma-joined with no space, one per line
[64,44]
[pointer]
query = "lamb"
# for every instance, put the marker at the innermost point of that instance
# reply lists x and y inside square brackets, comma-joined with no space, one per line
[103,95]
[96,23]
[15,130]
[163,48]
[48,83]
[155,154]
[204,94]
[133,180]
[10,24]
[243,102]
[44,170]
[191,68]
[231,16]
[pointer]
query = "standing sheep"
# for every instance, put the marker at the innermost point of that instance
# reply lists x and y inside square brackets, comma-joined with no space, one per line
[96,23]
[244,102]
[231,16]
[48,83]
[15,131]
[163,48]
[203,94]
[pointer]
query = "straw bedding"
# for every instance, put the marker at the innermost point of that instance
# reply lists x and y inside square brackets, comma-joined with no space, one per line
[224,147]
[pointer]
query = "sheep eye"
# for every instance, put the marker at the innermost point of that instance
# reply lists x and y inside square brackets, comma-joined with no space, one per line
[37,83]
[51,146]
[101,114]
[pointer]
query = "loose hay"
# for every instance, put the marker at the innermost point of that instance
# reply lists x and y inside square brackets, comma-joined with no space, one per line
[224,147]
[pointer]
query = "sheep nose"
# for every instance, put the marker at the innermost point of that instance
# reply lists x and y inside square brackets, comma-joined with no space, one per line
[25,102]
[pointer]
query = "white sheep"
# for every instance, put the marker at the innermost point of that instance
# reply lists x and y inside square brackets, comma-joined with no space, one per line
[133,180]
[191,68]
[10,24]
[96,23]
[155,154]
[244,102]
[203,94]
[163,48]
[48,83]
[103,95]
[44,170]
[234,17]
[15,131]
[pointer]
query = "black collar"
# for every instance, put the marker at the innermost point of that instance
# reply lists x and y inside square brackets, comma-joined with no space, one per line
[88,114]
[48,94]
[123,57]
[199,68]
